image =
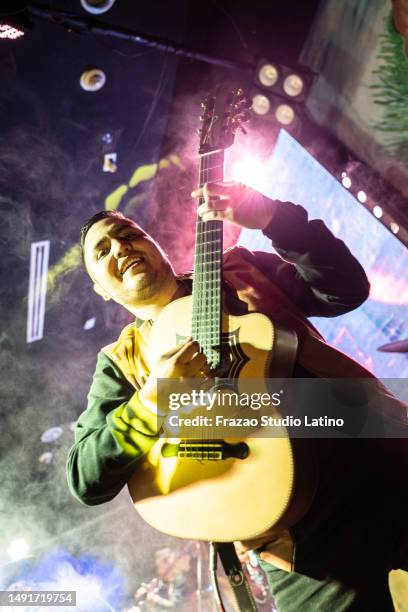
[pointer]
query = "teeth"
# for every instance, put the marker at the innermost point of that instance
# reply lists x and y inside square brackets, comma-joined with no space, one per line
[131,262]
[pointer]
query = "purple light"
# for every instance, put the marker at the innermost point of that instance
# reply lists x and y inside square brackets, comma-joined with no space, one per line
[7,30]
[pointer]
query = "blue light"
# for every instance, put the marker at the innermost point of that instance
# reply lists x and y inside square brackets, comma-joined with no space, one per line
[293,174]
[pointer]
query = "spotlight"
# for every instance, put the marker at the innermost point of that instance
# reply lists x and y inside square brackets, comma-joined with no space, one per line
[52,434]
[293,85]
[394,227]
[285,81]
[92,80]
[284,114]
[249,171]
[260,104]
[13,28]
[89,323]
[18,549]
[346,182]
[9,31]
[362,196]
[377,212]
[97,7]
[267,74]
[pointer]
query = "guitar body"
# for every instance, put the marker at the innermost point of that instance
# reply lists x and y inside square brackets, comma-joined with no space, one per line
[232,498]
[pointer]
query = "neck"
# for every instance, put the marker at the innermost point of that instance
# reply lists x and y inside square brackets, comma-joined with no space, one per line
[146,312]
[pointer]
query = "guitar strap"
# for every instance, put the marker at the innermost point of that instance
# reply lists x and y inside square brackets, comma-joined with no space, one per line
[236,577]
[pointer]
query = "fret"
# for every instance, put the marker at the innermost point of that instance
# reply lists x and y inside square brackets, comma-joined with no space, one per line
[210,153]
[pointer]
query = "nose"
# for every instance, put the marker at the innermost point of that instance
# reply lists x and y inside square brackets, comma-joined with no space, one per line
[119,247]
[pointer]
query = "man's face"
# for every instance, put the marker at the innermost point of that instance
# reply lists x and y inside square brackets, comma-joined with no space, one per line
[125,263]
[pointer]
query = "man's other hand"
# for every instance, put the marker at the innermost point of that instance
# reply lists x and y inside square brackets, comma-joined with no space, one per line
[183,361]
[234,202]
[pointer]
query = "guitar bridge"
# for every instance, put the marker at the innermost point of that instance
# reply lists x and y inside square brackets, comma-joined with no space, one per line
[205,451]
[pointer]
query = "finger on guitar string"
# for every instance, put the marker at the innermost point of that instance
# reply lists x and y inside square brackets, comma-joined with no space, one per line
[177,349]
[187,351]
[182,362]
[215,208]
[197,366]
[221,190]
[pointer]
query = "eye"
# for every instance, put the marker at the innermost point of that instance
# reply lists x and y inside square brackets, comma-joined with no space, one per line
[101,253]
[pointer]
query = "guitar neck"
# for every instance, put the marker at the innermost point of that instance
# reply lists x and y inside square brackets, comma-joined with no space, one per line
[206,321]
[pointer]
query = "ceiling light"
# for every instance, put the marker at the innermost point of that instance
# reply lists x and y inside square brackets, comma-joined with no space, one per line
[268,75]
[92,80]
[377,212]
[394,227]
[362,196]
[260,104]
[18,549]
[10,31]
[284,114]
[96,7]
[293,85]
[346,182]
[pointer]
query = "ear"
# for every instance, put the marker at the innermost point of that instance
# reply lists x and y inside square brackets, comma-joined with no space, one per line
[101,292]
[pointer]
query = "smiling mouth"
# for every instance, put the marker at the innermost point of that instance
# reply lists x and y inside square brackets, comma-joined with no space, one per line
[131,263]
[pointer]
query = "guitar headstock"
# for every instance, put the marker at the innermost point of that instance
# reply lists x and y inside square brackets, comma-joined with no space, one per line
[224,111]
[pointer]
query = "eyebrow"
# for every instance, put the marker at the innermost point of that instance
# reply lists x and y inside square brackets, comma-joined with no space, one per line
[115,232]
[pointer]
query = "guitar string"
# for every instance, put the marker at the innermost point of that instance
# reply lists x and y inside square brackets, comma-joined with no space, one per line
[197,293]
[209,281]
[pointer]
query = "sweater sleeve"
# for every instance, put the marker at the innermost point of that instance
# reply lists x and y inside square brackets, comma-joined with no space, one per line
[111,435]
[315,269]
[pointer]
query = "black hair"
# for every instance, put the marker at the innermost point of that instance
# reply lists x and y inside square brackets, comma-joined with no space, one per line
[104,214]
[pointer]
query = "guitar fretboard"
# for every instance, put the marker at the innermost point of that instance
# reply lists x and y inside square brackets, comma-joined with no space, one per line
[206,322]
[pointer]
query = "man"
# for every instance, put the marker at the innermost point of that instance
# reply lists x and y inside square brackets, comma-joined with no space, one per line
[338,556]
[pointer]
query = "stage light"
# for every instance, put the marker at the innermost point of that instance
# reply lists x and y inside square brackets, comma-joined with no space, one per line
[346,182]
[293,85]
[96,7]
[52,434]
[267,74]
[18,549]
[362,196]
[249,171]
[260,104]
[92,80]
[89,323]
[394,227]
[284,114]
[10,30]
[37,289]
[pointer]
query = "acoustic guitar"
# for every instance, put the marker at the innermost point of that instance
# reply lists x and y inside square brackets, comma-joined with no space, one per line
[208,488]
